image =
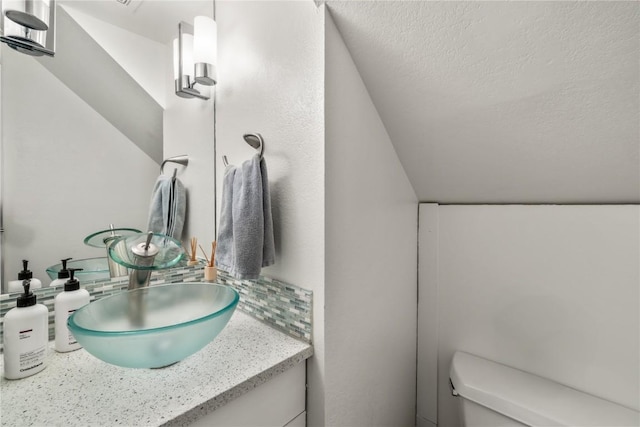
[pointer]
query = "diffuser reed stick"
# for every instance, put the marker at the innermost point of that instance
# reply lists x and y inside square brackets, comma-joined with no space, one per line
[210,261]
[192,252]
[205,256]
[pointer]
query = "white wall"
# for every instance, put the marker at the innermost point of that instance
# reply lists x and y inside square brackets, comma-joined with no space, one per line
[67,172]
[551,290]
[427,337]
[370,252]
[270,72]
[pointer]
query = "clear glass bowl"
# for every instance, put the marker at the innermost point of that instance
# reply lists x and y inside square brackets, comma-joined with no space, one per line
[100,238]
[170,251]
[92,269]
[154,326]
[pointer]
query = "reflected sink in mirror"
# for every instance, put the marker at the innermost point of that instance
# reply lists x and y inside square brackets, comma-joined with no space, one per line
[155,326]
[92,269]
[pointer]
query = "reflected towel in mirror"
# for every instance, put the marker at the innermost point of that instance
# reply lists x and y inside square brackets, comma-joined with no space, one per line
[168,207]
[245,235]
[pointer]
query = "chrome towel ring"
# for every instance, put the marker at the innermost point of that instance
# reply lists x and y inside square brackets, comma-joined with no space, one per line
[255,140]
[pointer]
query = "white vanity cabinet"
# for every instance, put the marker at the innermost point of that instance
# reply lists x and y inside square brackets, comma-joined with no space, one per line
[277,403]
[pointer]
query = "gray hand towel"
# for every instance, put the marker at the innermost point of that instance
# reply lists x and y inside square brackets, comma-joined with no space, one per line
[168,207]
[245,234]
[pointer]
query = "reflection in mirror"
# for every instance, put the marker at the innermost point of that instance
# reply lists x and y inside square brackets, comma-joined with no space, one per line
[84,133]
[28,26]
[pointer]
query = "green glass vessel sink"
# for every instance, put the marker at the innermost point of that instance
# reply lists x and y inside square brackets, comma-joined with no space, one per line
[155,326]
[92,269]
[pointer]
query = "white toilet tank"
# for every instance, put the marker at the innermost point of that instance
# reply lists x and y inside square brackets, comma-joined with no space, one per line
[495,395]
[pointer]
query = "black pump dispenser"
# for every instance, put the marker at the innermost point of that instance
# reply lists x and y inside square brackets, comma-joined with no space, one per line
[27,299]
[72,284]
[25,274]
[64,273]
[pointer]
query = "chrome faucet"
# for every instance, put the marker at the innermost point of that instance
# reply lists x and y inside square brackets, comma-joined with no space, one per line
[144,254]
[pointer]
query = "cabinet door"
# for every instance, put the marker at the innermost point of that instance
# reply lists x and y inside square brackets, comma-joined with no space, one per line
[276,403]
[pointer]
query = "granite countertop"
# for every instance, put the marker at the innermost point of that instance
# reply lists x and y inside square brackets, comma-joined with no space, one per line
[78,389]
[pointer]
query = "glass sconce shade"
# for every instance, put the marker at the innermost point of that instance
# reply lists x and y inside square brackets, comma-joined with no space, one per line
[187,57]
[204,43]
[176,59]
[205,50]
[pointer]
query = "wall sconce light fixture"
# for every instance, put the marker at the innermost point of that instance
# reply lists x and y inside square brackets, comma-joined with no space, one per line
[194,57]
[28,26]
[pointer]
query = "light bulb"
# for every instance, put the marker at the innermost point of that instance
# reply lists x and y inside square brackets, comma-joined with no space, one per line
[187,55]
[176,72]
[204,43]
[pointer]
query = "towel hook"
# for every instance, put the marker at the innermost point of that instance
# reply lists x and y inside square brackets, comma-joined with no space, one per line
[181,160]
[254,140]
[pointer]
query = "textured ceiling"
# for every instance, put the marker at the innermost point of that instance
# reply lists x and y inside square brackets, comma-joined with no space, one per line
[505,102]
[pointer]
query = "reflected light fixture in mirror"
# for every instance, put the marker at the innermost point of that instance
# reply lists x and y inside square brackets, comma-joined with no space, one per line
[194,57]
[186,57]
[28,26]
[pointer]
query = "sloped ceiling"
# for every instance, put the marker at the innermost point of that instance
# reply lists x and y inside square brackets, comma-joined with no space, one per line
[105,85]
[153,19]
[505,102]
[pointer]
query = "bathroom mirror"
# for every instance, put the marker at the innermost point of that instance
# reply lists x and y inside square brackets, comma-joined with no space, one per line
[84,132]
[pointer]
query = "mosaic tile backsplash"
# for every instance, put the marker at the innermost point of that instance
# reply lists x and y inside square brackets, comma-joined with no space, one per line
[282,306]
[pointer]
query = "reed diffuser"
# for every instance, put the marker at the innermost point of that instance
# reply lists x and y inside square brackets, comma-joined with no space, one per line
[192,252]
[210,271]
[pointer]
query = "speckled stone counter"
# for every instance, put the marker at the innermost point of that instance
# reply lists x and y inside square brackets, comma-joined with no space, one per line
[76,389]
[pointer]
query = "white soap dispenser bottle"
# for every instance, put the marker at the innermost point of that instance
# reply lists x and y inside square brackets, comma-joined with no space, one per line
[25,274]
[63,274]
[26,337]
[65,303]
